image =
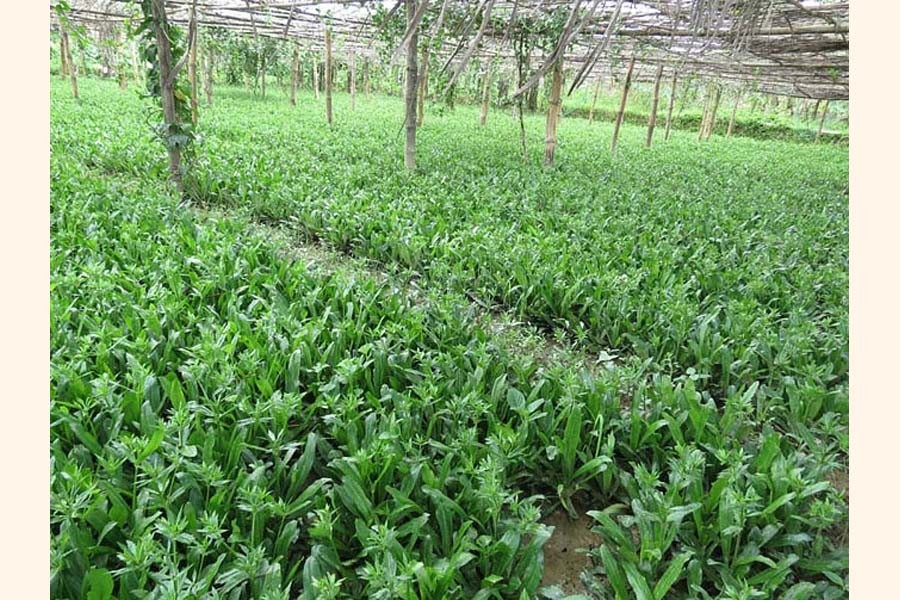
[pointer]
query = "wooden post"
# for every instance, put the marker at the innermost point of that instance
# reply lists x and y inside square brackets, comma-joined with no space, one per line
[328,114]
[412,72]
[486,94]
[815,113]
[737,102]
[166,85]
[192,67]
[366,83]
[316,78]
[553,112]
[352,79]
[135,63]
[655,106]
[262,72]
[671,105]
[594,101]
[711,125]
[620,116]
[705,114]
[423,84]
[295,74]
[210,58]
[73,68]
[822,121]
[63,65]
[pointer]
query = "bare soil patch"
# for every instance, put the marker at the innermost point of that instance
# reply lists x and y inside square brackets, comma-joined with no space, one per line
[565,553]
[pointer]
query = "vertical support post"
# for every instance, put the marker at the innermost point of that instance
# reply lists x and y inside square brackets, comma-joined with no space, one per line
[423,84]
[316,77]
[705,114]
[737,102]
[620,116]
[63,64]
[295,74]
[412,72]
[655,107]
[328,113]
[486,94]
[352,79]
[366,83]
[822,121]
[594,101]
[671,105]
[210,59]
[553,109]
[192,67]
[166,85]
[711,124]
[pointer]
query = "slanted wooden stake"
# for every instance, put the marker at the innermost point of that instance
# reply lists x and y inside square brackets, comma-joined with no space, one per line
[594,101]
[705,114]
[412,72]
[620,116]
[711,125]
[822,121]
[192,68]
[295,74]
[671,105]
[352,79]
[423,84]
[167,75]
[737,102]
[486,93]
[328,115]
[652,124]
[553,112]
[73,68]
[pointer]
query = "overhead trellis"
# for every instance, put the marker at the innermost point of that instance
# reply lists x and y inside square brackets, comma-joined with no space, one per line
[786,47]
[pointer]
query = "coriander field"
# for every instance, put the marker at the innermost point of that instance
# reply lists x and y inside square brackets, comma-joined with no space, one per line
[654,342]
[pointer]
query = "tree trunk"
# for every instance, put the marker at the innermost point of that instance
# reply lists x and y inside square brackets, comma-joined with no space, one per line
[553,112]
[652,124]
[822,121]
[192,69]
[737,102]
[328,113]
[166,85]
[412,72]
[711,125]
[486,94]
[671,105]
[594,101]
[73,68]
[295,75]
[423,84]
[620,116]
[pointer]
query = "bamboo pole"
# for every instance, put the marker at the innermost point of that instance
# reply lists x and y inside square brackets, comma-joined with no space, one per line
[423,84]
[328,112]
[620,116]
[655,106]
[594,101]
[192,67]
[352,79]
[295,74]
[73,68]
[412,72]
[166,84]
[671,105]
[711,125]
[555,102]
[486,94]
[737,102]
[822,121]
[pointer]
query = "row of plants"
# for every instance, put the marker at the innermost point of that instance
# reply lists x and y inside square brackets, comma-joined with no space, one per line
[226,424]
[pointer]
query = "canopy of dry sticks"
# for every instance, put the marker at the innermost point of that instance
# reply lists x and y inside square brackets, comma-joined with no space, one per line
[787,47]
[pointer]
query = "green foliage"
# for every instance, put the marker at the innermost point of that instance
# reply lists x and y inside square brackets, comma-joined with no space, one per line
[227,424]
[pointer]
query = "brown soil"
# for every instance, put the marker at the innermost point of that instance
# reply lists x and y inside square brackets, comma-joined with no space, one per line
[563,562]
